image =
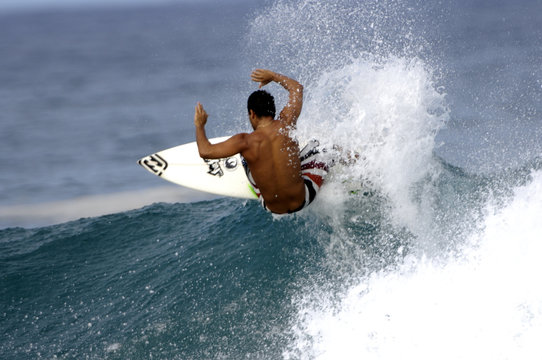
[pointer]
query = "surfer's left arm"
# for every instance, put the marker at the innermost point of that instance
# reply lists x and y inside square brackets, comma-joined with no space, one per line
[236,144]
[292,110]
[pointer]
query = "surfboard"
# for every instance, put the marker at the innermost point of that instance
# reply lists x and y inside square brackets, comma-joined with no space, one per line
[183,166]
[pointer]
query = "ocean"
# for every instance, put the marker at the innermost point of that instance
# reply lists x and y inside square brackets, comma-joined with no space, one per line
[436,257]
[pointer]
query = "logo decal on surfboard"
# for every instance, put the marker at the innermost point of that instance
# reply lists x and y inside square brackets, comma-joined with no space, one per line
[231,163]
[154,163]
[214,167]
[182,165]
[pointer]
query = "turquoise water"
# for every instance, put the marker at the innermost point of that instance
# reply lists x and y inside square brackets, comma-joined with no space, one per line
[224,279]
[168,281]
[437,257]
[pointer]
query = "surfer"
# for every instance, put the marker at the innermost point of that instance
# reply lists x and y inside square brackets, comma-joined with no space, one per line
[285,179]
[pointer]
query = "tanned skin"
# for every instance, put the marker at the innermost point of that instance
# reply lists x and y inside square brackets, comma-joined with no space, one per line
[271,154]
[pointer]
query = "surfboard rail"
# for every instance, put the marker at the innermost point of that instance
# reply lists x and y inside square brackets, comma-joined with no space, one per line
[183,166]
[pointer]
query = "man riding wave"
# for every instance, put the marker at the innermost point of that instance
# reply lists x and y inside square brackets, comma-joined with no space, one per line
[285,179]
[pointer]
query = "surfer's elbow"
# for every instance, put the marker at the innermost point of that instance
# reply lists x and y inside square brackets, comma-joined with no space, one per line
[204,153]
[204,149]
[209,152]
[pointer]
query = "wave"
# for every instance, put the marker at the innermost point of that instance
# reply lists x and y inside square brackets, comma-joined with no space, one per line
[432,262]
[478,301]
[222,278]
[406,270]
[43,214]
[190,280]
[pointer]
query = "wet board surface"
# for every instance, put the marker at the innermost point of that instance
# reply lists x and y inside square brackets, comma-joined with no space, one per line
[183,166]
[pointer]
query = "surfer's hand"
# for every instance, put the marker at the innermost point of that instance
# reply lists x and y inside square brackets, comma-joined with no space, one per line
[262,76]
[200,116]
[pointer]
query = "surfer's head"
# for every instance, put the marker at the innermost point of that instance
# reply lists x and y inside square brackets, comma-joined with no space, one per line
[262,103]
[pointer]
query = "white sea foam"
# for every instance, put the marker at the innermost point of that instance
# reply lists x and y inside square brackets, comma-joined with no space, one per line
[113,347]
[387,112]
[484,303]
[366,90]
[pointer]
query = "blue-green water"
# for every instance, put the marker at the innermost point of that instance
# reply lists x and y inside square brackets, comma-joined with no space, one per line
[172,281]
[169,281]
[436,258]
[224,279]
[199,280]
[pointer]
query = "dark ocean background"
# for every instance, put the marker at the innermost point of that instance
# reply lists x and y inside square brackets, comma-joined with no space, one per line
[438,257]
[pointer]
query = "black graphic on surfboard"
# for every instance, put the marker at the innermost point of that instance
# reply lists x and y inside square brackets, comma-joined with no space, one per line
[214,167]
[154,163]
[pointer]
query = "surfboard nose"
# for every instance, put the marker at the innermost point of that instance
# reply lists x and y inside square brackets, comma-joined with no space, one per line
[154,163]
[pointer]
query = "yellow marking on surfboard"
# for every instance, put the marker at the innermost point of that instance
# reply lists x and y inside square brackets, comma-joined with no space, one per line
[252,190]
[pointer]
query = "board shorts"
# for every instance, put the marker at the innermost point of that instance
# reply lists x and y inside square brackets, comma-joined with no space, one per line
[313,171]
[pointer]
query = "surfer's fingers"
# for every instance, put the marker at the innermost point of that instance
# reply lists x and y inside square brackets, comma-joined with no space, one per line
[200,111]
[257,75]
[199,108]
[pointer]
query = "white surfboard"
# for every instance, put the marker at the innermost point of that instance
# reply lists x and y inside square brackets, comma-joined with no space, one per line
[182,165]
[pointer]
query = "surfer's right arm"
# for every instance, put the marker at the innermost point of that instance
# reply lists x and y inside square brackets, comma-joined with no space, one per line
[236,144]
[291,111]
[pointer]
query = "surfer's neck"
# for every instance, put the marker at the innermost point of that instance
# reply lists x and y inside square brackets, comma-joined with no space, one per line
[264,123]
[260,122]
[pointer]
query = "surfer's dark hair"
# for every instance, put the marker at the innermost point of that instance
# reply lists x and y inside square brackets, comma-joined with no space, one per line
[262,103]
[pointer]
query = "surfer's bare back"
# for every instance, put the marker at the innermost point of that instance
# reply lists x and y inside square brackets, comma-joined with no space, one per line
[284,180]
